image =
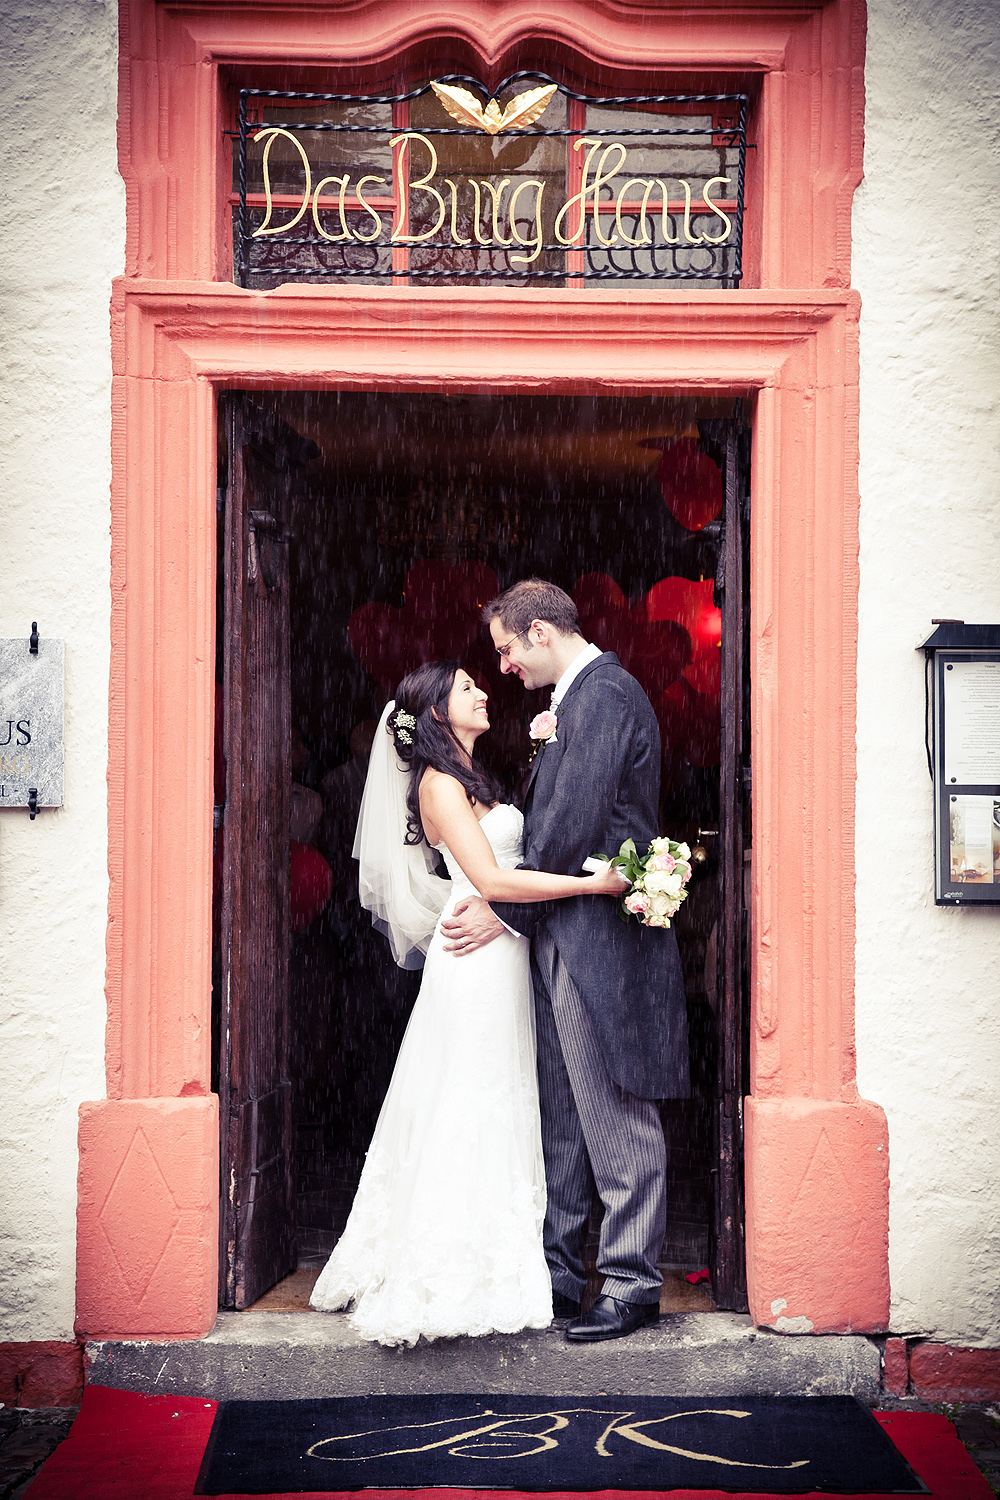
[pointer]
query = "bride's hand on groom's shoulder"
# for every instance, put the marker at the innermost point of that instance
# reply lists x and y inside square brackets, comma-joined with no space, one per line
[471,925]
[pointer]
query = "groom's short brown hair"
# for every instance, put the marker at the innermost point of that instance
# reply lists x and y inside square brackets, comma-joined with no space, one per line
[533,599]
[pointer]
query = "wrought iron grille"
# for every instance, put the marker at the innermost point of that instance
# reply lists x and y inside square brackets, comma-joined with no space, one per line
[445,185]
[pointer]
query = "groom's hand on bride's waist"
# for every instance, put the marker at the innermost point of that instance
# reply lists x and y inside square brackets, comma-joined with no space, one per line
[471,925]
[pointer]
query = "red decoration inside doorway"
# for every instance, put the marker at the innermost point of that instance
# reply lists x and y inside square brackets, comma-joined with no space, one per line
[691,484]
[669,640]
[655,651]
[311,884]
[439,618]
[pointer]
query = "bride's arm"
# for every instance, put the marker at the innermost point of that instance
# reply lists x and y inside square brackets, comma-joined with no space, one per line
[444,803]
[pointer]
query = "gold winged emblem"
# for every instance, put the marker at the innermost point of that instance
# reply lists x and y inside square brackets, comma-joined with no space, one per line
[467,110]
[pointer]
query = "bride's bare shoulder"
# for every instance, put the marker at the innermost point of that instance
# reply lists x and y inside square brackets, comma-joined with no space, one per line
[439,787]
[442,801]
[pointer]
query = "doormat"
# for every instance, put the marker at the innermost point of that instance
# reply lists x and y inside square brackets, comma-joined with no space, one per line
[778,1445]
[126,1446]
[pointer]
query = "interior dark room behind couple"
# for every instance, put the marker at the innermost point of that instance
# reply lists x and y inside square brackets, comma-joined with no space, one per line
[406,514]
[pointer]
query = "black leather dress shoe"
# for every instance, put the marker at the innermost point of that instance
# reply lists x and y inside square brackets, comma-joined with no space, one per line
[564,1307]
[611,1319]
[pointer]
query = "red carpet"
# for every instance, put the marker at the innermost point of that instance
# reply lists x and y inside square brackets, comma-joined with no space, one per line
[129,1447]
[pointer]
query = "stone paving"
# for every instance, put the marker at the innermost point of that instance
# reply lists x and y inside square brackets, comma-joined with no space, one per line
[26,1440]
[979,1429]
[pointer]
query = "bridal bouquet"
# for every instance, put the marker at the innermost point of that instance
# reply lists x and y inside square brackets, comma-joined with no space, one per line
[658,880]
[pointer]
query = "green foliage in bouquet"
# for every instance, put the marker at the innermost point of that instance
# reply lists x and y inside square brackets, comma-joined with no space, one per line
[658,880]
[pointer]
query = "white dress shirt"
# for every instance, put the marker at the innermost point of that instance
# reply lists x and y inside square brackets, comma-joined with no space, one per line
[587,655]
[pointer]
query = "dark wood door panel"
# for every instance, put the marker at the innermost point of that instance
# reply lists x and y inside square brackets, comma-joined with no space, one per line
[263,1229]
[257,1238]
[731,443]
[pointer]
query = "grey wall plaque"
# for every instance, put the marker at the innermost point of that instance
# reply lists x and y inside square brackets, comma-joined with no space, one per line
[31,722]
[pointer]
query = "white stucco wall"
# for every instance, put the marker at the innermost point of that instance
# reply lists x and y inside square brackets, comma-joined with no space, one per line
[927,262]
[62,229]
[928,987]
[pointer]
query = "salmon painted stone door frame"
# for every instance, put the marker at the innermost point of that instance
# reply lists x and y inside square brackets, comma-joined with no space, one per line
[816,1154]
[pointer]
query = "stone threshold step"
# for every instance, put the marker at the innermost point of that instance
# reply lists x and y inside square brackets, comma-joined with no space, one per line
[301,1355]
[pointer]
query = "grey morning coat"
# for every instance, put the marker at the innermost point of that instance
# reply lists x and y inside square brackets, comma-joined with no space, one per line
[595,786]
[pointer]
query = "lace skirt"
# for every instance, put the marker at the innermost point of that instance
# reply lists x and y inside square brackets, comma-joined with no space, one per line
[445,1235]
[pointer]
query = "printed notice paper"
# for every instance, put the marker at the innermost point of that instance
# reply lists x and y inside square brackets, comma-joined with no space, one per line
[972,723]
[973,831]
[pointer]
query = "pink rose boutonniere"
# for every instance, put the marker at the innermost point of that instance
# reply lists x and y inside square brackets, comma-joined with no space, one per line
[542,730]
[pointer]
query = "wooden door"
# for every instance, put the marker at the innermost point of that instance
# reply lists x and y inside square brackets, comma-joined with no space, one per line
[730,442]
[257,1228]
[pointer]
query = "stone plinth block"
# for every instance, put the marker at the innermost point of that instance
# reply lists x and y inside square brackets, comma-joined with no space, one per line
[817,1201]
[895,1368]
[941,1372]
[42,1373]
[148,1217]
[285,1356]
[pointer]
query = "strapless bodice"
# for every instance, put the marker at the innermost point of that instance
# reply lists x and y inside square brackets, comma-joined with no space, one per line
[503,825]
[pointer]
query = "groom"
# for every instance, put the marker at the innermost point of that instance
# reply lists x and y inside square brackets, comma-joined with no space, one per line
[609,997]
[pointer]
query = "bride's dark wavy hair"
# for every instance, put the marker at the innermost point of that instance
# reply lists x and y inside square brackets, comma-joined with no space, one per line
[424,739]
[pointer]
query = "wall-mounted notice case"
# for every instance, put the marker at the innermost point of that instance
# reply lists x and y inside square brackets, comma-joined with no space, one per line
[964,666]
[31,722]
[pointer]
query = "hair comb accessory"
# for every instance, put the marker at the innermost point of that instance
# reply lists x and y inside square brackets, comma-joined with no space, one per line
[402,724]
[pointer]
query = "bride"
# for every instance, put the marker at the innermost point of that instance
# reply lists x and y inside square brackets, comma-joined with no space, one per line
[445,1234]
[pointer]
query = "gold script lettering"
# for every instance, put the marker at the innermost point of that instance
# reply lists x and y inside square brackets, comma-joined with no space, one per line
[580,197]
[496,193]
[646,236]
[631,1430]
[403,190]
[508,1441]
[610,159]
[600,180]
[272,134]
[692,239]
[719,238]
[465,1436]
[651,185]
[528,182]
[368,239]
[476,212]
[458,239]
[500,1438]
[664,216]
[346,233]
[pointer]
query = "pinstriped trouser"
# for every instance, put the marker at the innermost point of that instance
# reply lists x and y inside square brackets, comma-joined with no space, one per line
[594,1133]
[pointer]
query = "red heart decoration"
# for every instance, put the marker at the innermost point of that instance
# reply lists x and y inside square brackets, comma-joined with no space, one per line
[691,484]
[690,604]
[311,884]
[670,643]
[439,618]
[655,651]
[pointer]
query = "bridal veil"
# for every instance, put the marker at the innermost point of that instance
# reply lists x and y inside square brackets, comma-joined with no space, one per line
[396,880]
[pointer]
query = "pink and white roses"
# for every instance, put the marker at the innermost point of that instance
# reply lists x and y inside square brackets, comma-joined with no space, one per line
[658,879]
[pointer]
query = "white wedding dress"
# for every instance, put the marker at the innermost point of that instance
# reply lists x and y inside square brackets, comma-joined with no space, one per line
[445,1234]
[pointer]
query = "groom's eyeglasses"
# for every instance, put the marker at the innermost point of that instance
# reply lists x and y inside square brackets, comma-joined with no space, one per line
[504,650]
